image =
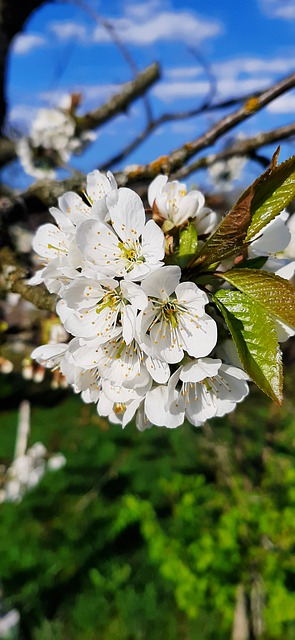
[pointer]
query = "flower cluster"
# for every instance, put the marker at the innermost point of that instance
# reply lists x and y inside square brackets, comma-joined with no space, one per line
[52,140]
[27,470]
[144,338]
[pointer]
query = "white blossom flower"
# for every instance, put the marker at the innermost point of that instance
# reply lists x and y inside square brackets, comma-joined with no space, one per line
[32,164]
[208,388]
[9,624]
[174,320]
[120,404]
[56,462]
[224,172]
[72,209]
[172,202]
[51,141]
[52,129]
[116,361]
[60,255]
[130,248]
[101,308]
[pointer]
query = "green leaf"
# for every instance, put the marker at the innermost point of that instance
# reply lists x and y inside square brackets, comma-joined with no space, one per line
[188,242]
[229,236]
[256,207]
[274,293]
[273,191]
[254,334]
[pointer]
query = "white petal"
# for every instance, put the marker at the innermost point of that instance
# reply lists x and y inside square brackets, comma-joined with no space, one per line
[128,318]
[166,343]
[273,238]
[189,294]
[158,412]
[189,206]
[153,242]
[162,283]
[98,185]
[205,221]
[200,369]
[98,244]
[63,222]
[134,294]
[160,371]
[127,213]
[73,207]
[155,188]
[50,355]
[130,412]
[199,336]
[50,242]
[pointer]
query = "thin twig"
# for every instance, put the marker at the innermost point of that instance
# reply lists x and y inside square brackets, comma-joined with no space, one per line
[240,148]
[180,156]
[119,102]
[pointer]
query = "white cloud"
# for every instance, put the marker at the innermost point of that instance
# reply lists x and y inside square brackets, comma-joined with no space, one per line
[27,42]
[68,30]
[182,73]
[187,128]
[142,11]
[283,104]
[164,26]
[170,91]
[284,9]
[227,87]
[234,76]
[235,87]
[254,65]
[144,24]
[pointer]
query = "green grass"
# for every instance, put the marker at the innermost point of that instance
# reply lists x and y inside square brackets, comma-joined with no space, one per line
[153,531]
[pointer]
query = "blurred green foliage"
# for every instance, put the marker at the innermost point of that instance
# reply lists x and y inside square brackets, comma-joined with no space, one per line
[145,536]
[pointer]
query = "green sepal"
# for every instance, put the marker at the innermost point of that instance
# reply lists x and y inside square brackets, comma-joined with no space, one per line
[188,242]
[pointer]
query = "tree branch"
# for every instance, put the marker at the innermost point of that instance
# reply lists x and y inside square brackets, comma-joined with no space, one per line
[44,194]
[240,148]
[7,151]
[12,279]
[179,157]
[120,101]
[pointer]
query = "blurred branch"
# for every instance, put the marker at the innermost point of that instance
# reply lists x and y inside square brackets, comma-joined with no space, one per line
[7,151]
[12,279]
[117,103]
[206,107]
[44,194]
[120,101]
[178,158]
[240,148]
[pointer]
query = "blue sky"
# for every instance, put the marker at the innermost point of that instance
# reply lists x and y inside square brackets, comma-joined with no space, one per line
[63,49]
